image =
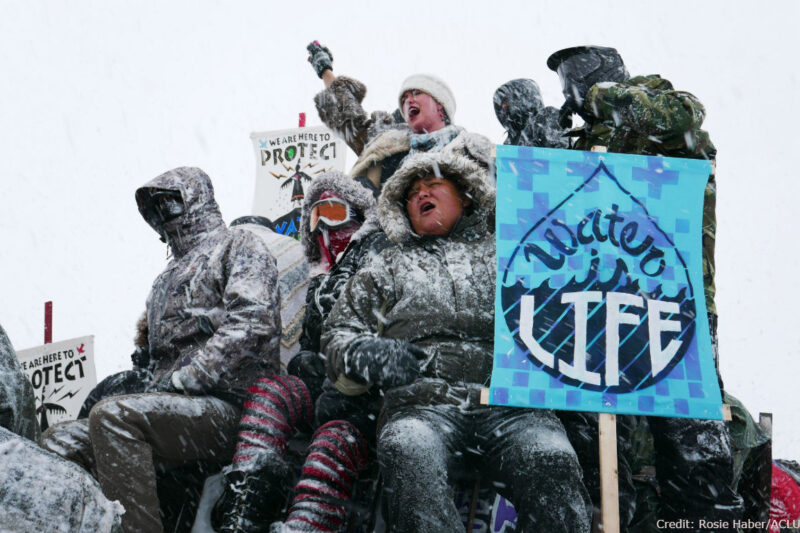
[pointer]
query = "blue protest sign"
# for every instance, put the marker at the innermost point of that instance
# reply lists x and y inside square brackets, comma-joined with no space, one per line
[600,303]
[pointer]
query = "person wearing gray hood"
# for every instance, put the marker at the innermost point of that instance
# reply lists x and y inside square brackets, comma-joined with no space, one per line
[40,491]
[418,324]
[213,322]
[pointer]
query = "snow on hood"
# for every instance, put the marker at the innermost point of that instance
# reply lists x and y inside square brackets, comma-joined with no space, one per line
[466,172]
[351,191]
[201,216]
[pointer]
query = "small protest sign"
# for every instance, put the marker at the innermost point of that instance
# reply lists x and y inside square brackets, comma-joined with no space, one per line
[286,162]
[600,302]
[62,374]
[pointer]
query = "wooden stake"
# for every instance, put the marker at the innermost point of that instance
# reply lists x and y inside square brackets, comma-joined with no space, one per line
[609,474]
[48,322]
[484,397]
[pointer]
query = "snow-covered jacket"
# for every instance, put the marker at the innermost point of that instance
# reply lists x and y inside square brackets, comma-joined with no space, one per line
[17,405]
[435,292]
[215,310]
[40,491]
[381,140]
[647,115]
[519,108]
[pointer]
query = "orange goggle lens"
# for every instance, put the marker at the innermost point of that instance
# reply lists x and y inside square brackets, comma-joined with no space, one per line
[331,211]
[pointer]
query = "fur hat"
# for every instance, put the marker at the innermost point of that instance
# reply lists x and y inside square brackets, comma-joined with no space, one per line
[433,86]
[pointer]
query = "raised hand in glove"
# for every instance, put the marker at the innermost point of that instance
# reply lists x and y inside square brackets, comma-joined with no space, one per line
[320,58]
[384,362]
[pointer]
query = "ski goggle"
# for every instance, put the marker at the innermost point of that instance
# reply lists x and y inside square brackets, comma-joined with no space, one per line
[332,212]
[159,206]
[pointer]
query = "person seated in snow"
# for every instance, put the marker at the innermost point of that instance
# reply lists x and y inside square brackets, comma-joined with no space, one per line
[339,234]
[213,322]
[292,284]
[381,140]
[40,491]
[417,323]
[519,108]
[646,115]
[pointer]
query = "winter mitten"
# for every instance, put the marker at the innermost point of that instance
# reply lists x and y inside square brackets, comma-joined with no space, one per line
[320,58]
[309,367]
[183,380]
[165,384]
[384,362]
[140,357]
[336,455]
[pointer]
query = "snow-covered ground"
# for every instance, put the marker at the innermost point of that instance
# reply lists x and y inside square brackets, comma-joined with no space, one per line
[98,97]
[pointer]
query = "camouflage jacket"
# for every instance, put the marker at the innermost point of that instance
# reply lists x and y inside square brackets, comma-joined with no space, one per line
[646,115]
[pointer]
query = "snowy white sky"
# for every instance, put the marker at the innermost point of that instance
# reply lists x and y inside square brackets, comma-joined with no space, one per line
[98,97]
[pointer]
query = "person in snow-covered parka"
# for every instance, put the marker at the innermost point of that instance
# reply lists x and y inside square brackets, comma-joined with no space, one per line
[417,323]
[424,122]
[339,233]
[519,108]
[40,491]
[213,322]
[647,115]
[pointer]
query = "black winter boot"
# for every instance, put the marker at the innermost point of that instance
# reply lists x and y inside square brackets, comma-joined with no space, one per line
[250,502]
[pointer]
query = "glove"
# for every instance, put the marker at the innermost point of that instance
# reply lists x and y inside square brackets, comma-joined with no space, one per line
[140,357]
[320,58]
[183,382]
[384,362]
[165,384]
[309,367]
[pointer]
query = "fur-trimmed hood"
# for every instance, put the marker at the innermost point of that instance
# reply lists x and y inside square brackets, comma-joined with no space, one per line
[388,143]
[464,170]
[351,191]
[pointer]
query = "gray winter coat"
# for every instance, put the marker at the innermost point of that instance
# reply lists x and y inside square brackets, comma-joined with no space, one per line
[435,292]
[17,405]
[40,491]
[215,310]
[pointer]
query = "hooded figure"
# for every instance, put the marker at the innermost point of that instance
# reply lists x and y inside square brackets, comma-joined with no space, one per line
[213,321]
[519,108]
[339,234]
[417,324]
[646,115]
[38,490]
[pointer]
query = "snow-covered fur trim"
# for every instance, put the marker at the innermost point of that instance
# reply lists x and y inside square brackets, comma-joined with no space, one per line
[140,338]
[453,162]
[434,86]
[348,189]
[384,145]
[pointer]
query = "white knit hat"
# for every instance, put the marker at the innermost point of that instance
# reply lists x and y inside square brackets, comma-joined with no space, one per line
[435,87]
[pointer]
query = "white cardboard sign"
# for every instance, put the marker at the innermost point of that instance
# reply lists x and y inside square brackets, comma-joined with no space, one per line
[62,374]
